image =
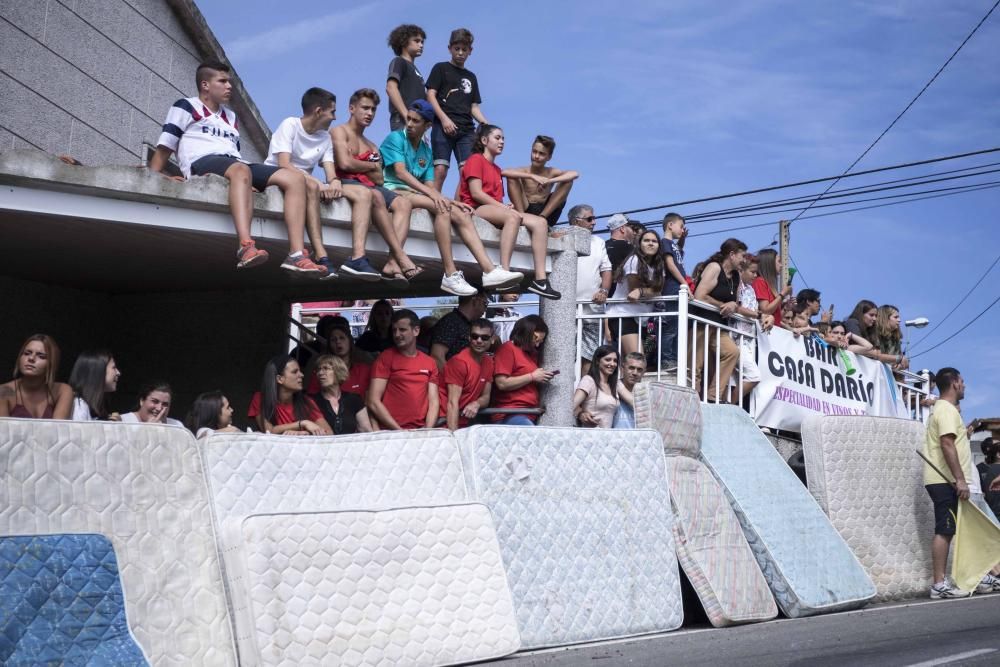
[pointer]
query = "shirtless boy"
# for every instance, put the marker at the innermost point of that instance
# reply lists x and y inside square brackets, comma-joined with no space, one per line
[540,189]
[359,165]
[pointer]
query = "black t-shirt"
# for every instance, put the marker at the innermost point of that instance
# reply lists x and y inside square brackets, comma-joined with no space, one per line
[618,252]
[453,331]
[370,342]
[411,87]
[345,420]
[726,289]
[457,90]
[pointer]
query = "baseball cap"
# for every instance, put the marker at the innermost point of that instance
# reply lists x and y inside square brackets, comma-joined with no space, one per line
[616,221]
[424,108]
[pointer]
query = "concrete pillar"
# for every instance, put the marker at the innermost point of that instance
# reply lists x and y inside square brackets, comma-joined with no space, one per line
[560,316]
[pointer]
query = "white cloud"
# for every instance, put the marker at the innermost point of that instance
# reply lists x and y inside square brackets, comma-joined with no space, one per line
[295,36]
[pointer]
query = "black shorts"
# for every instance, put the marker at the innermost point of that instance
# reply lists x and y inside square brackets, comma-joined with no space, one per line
[552,218]
[260,174]
[624,326]
[388,195]
[945,500]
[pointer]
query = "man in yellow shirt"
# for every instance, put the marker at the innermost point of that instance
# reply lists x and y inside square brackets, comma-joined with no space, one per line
[946,445]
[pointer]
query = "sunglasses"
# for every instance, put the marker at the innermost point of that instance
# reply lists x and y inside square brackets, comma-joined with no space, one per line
[480,336]
[589,218]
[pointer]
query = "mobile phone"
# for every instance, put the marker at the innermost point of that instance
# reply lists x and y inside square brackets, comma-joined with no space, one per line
[555,372]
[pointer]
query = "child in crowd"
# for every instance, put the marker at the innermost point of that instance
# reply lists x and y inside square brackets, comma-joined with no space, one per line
[94,376]
[890,337]
[517,371]
[34,392]
[749,308]
[302,143]
[206,137]
[837,335]
[154,406]
[674,275]
[453,92]
[210,412]
[482,188]
[539,189]
[281,407]
[404,84]
[409,174]
[596,398]
[359,165]
[799,321]
[640,278]
[862,321]
[771,299]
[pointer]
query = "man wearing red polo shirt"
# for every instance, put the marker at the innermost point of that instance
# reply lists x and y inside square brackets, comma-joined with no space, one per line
[403,393]
[466,379]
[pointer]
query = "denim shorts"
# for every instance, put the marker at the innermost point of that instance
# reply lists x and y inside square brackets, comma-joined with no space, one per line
[218,164]
[442,145]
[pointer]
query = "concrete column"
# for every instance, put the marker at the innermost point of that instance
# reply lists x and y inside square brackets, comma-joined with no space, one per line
[560,316]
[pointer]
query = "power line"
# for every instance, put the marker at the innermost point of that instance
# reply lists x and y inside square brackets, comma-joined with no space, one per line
[971,290]
[964,327]
[912,102]
[812,181]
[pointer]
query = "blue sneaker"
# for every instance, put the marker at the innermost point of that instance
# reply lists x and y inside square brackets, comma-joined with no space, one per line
[361,268]
[328,265]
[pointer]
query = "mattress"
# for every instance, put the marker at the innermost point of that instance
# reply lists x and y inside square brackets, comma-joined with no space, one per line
[61,603]
[712,549]
[865,475]
[672,411]
[142,487]
[265,474]
[807,564]
[585,528]
[414,586]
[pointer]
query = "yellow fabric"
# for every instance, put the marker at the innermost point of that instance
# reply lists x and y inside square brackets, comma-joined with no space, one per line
[946,420]
[976,546]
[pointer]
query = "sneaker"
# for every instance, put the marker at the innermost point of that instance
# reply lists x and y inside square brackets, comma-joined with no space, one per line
[500,278]
[543,289]
[361,268]
[250,255]
[302,264]
[947,590]
[455,284]
[328,265]
[989,584]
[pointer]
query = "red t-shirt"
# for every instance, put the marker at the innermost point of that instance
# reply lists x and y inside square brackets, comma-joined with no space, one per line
[358,379]
[284,413]
[406,392]
[464,371]
[512,360]
[489,173]
[765,293]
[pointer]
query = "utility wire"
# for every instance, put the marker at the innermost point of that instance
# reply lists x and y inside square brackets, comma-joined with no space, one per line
[907,108]
[964,327]
[971,290]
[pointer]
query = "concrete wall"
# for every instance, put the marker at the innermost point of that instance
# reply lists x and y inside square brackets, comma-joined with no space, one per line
[92,78]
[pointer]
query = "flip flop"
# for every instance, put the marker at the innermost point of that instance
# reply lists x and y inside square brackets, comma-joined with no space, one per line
[395,279]
[413,272]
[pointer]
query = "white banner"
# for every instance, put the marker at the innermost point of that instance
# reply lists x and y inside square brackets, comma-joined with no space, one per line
[801,377]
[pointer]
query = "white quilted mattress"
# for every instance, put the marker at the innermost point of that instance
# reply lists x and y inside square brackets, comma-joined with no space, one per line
[585,528]
[141,486]
[672,411]
[260,474]
[415,586]
[865,475]
[807,564]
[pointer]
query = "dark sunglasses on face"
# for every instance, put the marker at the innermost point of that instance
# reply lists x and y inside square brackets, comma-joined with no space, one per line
[589,218]
[480,336]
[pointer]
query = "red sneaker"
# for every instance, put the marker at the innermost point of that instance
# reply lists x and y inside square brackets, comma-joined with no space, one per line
[250,255]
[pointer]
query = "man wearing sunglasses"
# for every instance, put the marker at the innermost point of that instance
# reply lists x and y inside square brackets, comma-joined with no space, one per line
[467,377]
[593,280]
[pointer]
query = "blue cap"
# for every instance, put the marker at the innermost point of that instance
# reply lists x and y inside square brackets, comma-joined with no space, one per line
[424,108]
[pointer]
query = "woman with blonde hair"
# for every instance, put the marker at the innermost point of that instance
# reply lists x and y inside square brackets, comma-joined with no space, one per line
[34,392]
[344,411]
[890,337]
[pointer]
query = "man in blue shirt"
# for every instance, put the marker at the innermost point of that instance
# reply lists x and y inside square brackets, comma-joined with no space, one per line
[409,172]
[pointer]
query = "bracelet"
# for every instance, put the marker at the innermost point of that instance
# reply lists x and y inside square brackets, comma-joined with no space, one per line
[300,424]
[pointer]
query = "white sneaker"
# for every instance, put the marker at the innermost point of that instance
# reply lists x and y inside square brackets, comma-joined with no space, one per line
[455,284]
[500,278]
[989,584]
[946,589]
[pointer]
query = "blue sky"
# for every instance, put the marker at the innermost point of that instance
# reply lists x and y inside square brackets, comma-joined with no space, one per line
[663,102]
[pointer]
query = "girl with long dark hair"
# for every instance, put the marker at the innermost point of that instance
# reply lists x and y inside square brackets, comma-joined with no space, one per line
[718,284]
[766,285]
[639,279]
[596,398]
[281,406]
[377,335]
[94,376]
[34,392]
[210,412]
[517,372]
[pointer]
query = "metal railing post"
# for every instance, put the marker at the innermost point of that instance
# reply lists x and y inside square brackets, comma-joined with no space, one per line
[682,335]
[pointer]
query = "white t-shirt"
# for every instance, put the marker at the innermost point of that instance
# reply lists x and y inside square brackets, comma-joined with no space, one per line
[193,131]
[81,411]
[631,267]
[589,268]
[132,418]
[305,150]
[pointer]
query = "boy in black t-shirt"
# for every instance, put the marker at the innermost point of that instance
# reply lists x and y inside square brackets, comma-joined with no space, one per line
[453,91]
[404,84]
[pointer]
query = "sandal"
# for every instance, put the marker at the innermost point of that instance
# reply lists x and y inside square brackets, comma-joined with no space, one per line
[412,272]
[395,278]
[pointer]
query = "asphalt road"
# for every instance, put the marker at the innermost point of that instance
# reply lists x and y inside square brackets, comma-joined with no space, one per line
[921,633]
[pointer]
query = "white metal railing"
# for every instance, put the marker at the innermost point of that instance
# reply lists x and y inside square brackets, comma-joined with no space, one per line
[914,390]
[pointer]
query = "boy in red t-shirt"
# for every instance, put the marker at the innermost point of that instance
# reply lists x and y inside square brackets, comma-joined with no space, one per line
[467,378]
[403,393]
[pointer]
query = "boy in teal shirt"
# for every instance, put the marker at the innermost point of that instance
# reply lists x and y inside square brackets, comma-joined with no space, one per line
[409,172]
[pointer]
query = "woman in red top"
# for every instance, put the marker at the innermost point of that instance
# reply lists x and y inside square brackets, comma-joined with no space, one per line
[359,363]
[482,189]
[34,392]
[280,406]
[765,285]
[517,372]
